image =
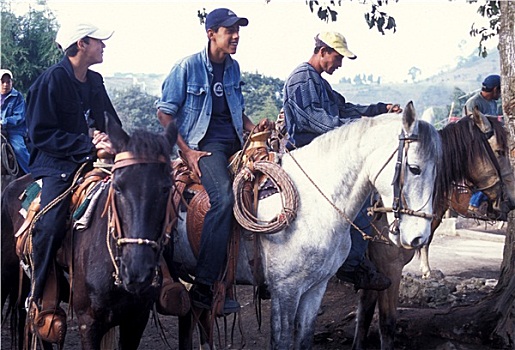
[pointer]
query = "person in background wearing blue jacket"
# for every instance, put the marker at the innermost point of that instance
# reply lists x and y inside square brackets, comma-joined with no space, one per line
[203,95]
[13,118]
[312,108]
[63,105]
[486,101]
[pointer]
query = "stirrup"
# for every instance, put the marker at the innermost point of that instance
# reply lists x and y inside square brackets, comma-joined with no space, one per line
[49,325]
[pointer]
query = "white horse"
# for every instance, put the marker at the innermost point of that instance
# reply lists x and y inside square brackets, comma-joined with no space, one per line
[334,175]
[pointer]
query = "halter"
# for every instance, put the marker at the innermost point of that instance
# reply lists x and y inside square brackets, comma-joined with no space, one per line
[491,155]
[399,205]
[114,229]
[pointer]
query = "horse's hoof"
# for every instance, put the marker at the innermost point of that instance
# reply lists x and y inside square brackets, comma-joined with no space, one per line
[174,300]
[50,325]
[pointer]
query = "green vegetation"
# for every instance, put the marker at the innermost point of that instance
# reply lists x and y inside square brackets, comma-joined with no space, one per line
[28,46]
[263,96]
[136,109]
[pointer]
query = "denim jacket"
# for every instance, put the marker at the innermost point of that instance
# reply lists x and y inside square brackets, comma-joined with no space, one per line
[187,96]
[13,113]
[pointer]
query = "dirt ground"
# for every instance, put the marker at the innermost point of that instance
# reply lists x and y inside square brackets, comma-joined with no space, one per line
[463,253]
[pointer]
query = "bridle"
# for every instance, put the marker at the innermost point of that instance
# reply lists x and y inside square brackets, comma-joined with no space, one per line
[399,205]
[491,155]
[114,229]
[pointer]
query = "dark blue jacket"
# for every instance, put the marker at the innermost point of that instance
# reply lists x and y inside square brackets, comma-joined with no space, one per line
[58,132]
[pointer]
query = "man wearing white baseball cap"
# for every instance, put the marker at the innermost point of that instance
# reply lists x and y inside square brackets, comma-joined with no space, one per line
[63,105]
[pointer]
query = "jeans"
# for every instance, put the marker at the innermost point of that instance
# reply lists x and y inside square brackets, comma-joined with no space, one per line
[217,228]
[359,245]
[17,142]
[49,230]
[477,198]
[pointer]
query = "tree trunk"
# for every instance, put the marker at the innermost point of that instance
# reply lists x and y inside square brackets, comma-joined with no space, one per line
[504,332]
[492,320]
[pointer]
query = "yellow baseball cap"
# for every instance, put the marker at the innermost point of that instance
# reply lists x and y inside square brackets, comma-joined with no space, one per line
[337,42]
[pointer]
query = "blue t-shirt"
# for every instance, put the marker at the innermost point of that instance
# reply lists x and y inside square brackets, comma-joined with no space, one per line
[220,125]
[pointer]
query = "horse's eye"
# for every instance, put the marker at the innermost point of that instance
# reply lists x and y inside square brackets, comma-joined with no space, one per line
[500,153]
[415,169]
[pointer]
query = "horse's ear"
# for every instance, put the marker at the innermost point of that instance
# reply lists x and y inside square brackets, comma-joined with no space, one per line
[481,121]
[171,133]
[409,117]
[118,137]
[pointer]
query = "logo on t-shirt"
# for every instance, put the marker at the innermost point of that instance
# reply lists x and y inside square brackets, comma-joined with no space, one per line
[218,89]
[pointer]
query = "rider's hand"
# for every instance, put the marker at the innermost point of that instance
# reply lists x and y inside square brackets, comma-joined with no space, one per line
[102,142]
[393,108]
[266,125]
[192,157]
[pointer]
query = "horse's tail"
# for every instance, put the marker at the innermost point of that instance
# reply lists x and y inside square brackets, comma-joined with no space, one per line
[13,313]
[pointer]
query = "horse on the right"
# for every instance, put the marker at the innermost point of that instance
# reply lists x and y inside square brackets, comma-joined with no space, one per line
[472,157]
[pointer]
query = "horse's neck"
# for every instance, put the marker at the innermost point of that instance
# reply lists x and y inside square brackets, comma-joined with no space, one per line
[337,177]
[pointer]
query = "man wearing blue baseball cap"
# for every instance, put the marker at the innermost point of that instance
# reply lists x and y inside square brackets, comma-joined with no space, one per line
[202,94]
[486,101]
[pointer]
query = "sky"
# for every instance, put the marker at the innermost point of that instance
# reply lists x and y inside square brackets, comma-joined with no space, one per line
[150,36]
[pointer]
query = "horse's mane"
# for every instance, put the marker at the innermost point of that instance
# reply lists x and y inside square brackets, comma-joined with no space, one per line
[358,127]
[149,145]
[462,143]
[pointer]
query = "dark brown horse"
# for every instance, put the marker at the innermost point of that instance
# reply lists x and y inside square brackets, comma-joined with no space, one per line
[10,168]
[471,156]
[116,257]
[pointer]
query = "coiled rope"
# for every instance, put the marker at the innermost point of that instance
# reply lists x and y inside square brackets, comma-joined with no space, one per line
[287,191]
[9,161]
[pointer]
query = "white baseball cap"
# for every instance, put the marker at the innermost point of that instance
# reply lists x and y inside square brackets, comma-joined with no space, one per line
[4,72]
[69,35]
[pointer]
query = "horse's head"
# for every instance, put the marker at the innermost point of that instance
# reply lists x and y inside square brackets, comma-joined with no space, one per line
[479,156]
[138,203]
[417,159]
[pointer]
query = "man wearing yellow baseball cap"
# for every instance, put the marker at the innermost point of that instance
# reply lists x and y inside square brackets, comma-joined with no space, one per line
[312,108]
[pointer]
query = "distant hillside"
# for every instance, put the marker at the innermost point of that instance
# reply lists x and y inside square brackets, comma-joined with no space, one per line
[150,83]
[436,92]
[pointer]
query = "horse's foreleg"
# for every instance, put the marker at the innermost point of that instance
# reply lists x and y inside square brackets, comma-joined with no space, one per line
[387,305]
[388,299]
[306,316]
[90,333]
[424,261]
[284,304]
[186,325]
[132,328]
[364,315]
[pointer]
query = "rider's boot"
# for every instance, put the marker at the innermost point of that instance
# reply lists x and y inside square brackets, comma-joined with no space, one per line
[48,319]
[174,299]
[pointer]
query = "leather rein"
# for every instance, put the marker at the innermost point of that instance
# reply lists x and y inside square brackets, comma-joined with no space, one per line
[114,228]
[399,205]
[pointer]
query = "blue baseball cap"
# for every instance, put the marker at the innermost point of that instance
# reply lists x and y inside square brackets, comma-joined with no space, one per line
[492,81]
[223,17]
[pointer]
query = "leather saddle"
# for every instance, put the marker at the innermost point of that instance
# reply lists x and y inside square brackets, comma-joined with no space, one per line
[78,203]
